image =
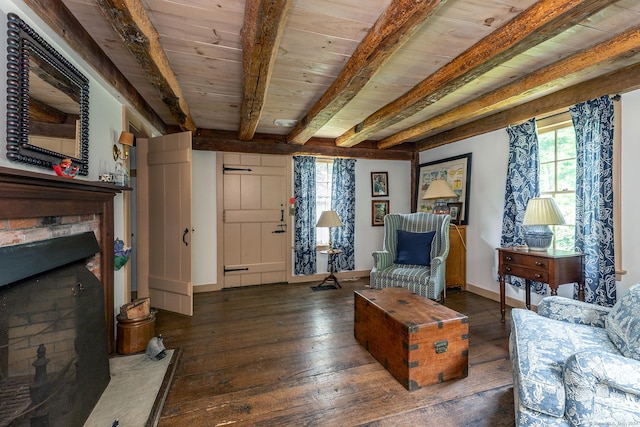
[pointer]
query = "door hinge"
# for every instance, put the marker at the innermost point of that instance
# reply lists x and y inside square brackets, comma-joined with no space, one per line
[227,270]
[228,168]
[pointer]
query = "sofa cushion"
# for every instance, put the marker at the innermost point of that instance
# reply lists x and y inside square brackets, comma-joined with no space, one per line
[539,348]
[623,323]
[414,248]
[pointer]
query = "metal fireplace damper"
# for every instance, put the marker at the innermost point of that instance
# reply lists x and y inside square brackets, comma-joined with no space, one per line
[54,361]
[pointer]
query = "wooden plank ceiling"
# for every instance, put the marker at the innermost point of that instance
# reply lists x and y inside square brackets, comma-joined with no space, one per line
[362,78]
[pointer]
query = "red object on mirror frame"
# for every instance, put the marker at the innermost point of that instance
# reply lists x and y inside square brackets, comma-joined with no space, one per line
[65,169]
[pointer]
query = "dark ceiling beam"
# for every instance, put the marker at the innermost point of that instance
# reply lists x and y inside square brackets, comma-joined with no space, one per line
[50,75]
[129,19]
[59,19]
[619,46]
[42,112]
[261,33]
[542,21]
[394,27]
[216,140]
[617,82]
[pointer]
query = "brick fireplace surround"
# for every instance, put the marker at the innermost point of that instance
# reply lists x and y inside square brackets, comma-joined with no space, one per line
[36,207]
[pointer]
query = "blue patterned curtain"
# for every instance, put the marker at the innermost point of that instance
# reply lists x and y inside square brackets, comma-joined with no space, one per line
[593,123]
[522,185]
[343,201]
[304,192]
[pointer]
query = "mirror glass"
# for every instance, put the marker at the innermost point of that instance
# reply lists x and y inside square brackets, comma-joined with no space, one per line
[47,103]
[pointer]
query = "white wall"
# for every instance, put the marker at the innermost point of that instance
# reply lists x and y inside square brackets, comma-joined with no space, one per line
[490,153]
[203,219]
[367,237]
[630,201]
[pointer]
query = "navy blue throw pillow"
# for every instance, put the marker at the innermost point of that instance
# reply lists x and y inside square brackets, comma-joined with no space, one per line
[414,248]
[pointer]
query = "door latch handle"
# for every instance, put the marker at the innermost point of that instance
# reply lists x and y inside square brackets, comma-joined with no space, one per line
[184,234]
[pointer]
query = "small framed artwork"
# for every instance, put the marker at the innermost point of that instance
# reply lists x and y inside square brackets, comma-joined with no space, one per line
[379,208]
[455,211]
[379,184]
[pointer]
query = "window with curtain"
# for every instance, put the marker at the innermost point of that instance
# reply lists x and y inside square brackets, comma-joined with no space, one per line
[318,185]
[324,175]
[557,151]
[577,167]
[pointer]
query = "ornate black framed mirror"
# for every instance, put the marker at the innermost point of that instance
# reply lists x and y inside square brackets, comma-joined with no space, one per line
[47,102]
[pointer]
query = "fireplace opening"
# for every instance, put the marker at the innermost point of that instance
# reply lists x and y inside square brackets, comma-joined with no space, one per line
[54,358]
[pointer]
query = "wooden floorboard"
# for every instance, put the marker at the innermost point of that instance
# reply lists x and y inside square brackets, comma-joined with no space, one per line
[284,355]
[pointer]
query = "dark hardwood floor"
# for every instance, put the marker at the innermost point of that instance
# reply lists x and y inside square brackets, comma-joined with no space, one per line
[284,355]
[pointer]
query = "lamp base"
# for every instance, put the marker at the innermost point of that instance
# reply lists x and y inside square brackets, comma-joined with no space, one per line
[538,237]
[440,207]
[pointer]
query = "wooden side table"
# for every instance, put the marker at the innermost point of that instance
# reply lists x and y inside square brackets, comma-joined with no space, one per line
[553,267]
[456,272]
[331,277]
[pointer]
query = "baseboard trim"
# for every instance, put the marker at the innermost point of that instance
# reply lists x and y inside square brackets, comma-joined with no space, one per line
[319,277]
[206,288]
[495,296]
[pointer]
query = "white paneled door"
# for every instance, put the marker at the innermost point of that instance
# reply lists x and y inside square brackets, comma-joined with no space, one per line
[254,217]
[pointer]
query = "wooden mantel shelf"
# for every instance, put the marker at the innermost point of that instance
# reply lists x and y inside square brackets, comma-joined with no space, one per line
[26,194]
[23,176]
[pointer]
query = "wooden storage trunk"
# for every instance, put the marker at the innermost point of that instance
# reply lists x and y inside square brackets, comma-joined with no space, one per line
[419,341]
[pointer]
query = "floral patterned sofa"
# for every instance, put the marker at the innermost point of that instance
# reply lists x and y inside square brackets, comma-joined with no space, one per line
[577,364]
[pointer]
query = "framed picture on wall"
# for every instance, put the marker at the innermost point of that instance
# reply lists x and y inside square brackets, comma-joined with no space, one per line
[379,208]
[454,211]
[457,172]
[379,184]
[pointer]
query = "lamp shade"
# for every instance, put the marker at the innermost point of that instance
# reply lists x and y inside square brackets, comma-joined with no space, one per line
[329,219]
[542,211]
[126,138]
[439,189]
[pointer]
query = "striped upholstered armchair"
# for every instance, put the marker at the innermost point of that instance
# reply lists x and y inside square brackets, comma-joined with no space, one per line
[414,254]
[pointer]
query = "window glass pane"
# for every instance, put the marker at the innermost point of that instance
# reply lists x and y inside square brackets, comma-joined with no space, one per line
[567,175]
[564,237]
[324,170]
[547,177]
[567,205]
[566,143]
[546,148]
[558,178]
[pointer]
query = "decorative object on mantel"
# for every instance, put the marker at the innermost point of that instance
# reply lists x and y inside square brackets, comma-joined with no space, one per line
[126,139]
[120,254]
[66,168]
[121,175]
[106,177]
[540,214]
[439,190]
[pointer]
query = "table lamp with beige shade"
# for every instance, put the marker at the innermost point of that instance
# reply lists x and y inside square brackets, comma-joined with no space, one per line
[439,190]
[540,214]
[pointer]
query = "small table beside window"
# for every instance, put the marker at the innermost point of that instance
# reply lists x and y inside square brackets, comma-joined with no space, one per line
[331,277]
[554,267]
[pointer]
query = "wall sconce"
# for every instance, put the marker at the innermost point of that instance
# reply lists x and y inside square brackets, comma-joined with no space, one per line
[126,139]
